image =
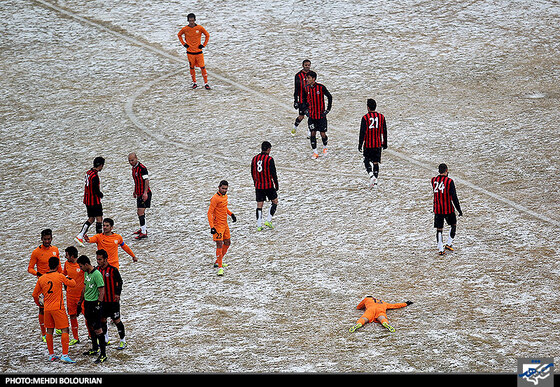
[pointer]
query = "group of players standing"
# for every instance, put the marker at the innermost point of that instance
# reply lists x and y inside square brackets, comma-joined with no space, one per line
[96,290]
[93,290]
[309,100]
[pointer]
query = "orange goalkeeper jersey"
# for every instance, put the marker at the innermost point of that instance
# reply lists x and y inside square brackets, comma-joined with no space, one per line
[218,210]
[192,36]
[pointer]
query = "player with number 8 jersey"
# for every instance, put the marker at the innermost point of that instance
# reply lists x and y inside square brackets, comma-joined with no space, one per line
[265,179]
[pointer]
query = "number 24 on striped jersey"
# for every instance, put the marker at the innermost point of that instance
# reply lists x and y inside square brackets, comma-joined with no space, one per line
[439,186]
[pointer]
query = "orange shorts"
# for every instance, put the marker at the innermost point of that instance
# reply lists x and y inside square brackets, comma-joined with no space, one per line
[56,319]
[72,304]
[222,232]
[371,316]
[196,60]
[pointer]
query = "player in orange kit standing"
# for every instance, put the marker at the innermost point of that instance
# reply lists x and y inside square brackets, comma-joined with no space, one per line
[110,242]
[39,265]
[50,286]
[376,311]
[72,270]
[190,37]
[217,218]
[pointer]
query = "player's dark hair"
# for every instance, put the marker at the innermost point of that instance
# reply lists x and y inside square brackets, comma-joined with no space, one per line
[191,15]
[98,161]
[371,103]
[72,251]
[46,231]
[110,221]
[265,146]
[53,263]
[312,74]
[223,182]
[305,61]
[103,253]
[84,260]
[442,168]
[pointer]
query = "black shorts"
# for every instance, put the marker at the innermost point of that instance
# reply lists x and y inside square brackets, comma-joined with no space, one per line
[373,154]
[111,309]
[317,124]
[94,211]
[93,315]
[144,204]
[262,194]
[451,219]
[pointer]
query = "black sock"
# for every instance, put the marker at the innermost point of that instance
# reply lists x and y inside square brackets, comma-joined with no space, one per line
[102,344]
[120,329]
[85,227]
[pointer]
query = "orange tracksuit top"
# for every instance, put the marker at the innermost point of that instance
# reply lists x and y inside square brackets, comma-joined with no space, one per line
[193,36]
[218,211]
[375,307]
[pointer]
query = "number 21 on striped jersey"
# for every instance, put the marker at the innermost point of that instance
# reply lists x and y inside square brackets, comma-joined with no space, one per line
[439,186]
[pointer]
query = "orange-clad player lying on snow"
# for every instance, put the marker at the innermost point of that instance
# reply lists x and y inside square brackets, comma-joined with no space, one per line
[376,311]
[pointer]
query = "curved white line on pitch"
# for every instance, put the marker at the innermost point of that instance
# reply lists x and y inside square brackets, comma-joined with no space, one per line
[138,123]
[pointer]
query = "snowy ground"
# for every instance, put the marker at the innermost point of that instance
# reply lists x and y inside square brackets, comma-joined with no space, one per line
[473,84]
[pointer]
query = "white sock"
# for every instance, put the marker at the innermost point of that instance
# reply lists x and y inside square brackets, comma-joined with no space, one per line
[439,241]
[144,229]
[449,240]
[259,219]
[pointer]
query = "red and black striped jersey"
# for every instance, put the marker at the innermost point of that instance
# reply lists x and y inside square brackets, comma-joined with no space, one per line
[92,191]
[373,130]
[445,196]
[299,86]
[263,171]
[140,175]
[315,100]
[113,282]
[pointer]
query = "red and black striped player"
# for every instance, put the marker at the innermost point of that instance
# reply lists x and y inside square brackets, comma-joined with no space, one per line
[111,304]
[373,138]
[314,97]
[92,200]
[263,171]
[445,204]
[142,192]
[299,90]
